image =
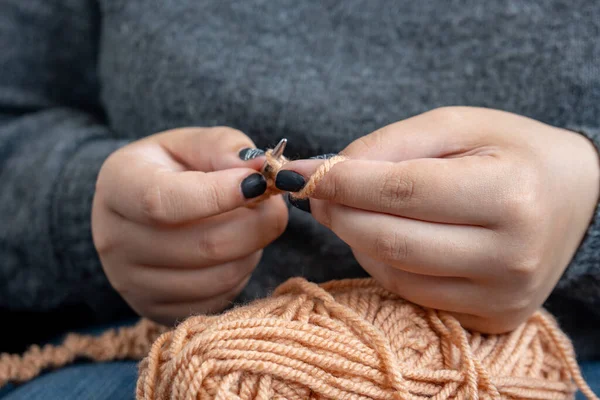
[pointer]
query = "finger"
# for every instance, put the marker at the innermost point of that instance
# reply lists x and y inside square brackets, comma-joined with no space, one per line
[167,285]
[486,325]
[153,195]
[215,240]
[438,190]
[208,149]
[456,295]
[173,313]
[414,246]
[469,303]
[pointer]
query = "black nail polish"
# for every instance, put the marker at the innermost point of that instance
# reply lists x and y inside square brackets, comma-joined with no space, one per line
[254,186]
[289,181]
[250,153]
[324,156]
[301,204]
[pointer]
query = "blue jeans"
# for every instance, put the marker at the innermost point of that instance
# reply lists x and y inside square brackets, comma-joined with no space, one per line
[117,380]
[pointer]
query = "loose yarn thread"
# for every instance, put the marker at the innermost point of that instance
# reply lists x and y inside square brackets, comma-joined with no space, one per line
[348,339]
[277,163]
[132,342]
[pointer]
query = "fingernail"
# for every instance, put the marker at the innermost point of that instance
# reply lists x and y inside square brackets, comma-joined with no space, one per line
[254,186]
[250,153]
[301,204]
[324,156]
[289,181]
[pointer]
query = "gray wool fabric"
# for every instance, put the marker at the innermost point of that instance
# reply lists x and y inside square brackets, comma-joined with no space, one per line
[81,78]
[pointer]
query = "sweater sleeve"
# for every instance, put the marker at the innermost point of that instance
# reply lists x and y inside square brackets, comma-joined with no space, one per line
[581,279]
[53,140]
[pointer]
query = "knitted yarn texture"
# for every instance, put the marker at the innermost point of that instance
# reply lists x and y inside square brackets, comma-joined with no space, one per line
[352,339]
[347,339]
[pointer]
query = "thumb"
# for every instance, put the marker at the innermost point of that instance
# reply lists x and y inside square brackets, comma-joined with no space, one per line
[165,197]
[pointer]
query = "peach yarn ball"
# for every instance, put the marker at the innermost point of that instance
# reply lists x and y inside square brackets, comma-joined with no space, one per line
[352,339]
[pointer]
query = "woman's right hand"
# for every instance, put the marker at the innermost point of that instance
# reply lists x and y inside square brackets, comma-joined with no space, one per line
[169,221]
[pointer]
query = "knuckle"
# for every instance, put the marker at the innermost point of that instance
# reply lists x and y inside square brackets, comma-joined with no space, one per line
[524,205]
[391,246]
[228,133]
[109,168]
[213,196]
[511,320]
[122,283]
[364,143]
[213,247]
[498,325]
[152,204]
[230,278]
[520,208]
[452,116]
[331,186]
[525,267]
[518,305]
[397,188]
[226,130]
[493,323]
[368,143]
[234,276]
[101,186]
[104,242]
[507,306]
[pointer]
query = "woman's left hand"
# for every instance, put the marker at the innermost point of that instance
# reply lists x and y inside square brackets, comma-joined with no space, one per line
[473,211]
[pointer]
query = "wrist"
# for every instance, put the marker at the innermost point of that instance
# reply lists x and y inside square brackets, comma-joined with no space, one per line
[70,229]
[585,261]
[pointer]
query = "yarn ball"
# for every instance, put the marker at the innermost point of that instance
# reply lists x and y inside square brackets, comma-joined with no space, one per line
[352,339]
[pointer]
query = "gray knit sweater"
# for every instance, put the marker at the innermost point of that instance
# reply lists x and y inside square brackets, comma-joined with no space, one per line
[80,78]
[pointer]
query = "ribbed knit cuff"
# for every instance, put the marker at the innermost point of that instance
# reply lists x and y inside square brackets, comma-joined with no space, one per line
[581,279]
[71,229]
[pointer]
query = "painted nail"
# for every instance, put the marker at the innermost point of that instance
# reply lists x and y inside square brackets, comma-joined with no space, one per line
[250,153]
[301,204]
[289,181]
[324,156]
[254,186]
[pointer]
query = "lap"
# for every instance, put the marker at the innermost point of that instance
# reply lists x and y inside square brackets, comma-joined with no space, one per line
[82,380]
[591,373]
[117,380]
[114,380]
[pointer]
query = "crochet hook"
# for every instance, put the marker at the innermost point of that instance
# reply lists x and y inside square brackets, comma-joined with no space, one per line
[276,153]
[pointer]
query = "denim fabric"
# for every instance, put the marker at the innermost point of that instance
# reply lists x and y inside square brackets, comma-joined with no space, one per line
[116,381]
[591,373]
